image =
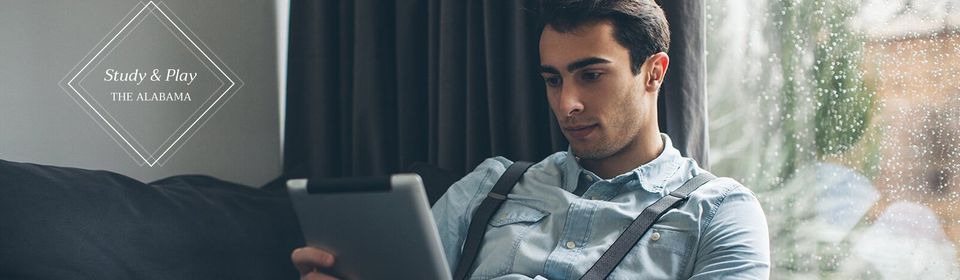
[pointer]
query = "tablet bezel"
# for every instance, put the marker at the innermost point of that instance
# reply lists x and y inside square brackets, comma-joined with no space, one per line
[385,232]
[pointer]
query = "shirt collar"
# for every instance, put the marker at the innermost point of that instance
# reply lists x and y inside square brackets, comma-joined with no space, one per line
[651,176]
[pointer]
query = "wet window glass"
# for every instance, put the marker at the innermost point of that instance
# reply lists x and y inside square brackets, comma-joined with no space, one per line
[844,118]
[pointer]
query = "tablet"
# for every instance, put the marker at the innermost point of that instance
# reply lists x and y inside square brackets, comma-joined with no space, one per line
[378,228]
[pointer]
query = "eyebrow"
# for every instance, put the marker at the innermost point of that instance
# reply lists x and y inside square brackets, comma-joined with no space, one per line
[574,65]
[549,69]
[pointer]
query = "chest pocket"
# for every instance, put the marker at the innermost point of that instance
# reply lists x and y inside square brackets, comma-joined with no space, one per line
[507,230]
[516,213]
[660,254]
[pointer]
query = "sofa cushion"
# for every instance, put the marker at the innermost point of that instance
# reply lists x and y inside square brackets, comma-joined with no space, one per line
[68,223]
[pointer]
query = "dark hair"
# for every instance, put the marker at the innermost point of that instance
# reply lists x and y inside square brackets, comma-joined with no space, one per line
[638,25]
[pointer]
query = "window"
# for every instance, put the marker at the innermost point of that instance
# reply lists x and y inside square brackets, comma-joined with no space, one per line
[844,118]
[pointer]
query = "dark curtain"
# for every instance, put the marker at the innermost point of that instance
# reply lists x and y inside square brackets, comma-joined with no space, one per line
[683,102]
[374,86]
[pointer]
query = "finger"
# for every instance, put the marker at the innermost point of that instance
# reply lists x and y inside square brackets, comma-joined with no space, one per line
[317,276]
[308,258]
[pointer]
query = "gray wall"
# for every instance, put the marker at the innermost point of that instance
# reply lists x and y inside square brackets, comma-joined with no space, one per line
[44,43]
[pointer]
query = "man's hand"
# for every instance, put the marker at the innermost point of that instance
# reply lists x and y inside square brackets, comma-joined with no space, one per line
[310,261]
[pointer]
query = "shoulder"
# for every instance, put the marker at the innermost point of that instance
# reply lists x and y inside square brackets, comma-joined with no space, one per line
[489,169]
[464,196]
[465,191]
[731,218]
[718,190]
[486,174]
[724,192]
[733,230]
[713,194]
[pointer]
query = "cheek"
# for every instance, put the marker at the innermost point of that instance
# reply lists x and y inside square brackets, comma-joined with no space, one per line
[628,109]
[617,99]
[603,100]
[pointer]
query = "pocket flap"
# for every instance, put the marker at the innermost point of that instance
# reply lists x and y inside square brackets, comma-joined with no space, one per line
[511,213]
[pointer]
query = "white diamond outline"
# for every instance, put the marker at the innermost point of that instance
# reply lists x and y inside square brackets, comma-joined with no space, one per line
[83,77]
[216,108]
[144,149]
[157,8]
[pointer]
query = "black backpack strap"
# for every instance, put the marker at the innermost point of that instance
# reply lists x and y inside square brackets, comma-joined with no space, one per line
[489,206]
[629,238]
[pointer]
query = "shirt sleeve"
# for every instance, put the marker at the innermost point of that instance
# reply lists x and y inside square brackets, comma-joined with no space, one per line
[735,243]
[453,211]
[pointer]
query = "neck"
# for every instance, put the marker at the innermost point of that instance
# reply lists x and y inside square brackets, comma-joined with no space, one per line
[643,149]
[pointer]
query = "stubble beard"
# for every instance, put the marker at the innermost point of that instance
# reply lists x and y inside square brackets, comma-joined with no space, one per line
[610,144]
[601,150]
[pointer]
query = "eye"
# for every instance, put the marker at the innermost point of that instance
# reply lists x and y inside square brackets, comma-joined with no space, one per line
[591,76]
[552,81]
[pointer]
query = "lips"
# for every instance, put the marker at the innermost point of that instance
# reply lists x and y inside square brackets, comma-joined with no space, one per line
[581,131]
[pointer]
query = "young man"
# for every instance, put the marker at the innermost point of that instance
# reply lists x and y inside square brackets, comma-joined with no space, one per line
[603,62]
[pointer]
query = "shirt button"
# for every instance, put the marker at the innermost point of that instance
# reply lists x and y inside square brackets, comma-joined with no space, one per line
[655,236]
[571,245]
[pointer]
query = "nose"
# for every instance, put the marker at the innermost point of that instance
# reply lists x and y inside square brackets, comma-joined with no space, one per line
[570,103]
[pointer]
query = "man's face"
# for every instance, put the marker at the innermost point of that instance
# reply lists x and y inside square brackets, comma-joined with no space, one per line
[600,105]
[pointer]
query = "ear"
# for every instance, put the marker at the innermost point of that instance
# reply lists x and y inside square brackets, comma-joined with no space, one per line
[656,70]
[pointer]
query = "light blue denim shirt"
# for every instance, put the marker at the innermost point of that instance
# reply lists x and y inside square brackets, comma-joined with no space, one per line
[545,231]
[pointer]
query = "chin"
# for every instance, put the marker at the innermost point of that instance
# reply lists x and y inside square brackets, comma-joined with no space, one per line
[589,152]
